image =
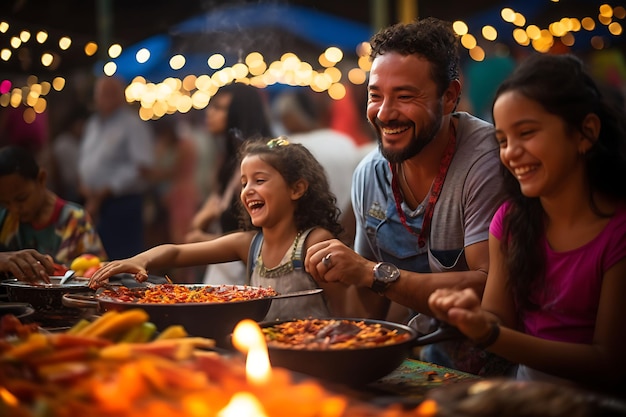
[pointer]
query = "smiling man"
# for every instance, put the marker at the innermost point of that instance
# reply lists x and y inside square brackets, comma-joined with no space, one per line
[424,199]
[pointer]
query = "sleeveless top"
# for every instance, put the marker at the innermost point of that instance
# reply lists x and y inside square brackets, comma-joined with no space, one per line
[287,277]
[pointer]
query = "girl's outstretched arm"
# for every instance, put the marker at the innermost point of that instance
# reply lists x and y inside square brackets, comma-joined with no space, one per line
[226,248]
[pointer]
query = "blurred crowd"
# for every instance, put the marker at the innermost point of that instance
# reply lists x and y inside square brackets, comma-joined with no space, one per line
[176,179]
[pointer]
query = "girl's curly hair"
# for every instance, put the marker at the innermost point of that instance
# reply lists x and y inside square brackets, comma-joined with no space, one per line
[318,206]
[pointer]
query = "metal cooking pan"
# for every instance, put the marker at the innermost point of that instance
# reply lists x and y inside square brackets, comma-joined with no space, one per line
[40,295]
[360,366]
[46,298]
[22,311]
[212,320]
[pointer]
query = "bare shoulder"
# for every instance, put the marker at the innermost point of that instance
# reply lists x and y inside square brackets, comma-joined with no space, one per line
[238,242]
[319,234]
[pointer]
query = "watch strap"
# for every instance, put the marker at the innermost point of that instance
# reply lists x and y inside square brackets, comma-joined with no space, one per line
[379,287]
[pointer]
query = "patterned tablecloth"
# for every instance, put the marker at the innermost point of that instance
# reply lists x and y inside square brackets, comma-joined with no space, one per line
[410,382]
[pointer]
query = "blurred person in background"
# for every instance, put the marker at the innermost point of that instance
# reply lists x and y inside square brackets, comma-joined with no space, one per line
[117,147]
[65,153]
[21,126]
[346,117]
[235,113]
[173,197]
[38,228]
[305,115]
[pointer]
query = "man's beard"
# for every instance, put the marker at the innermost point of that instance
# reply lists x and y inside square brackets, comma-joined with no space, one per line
[419,141]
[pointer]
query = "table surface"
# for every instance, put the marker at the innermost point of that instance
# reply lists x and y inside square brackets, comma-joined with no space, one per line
[406,385]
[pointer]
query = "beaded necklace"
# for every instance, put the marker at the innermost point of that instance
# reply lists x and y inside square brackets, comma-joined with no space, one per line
[446,160]
[280,270]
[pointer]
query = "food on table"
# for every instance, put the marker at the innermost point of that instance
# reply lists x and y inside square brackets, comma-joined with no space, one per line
[174,294]
[59,269]
[86,265]
[11,325]
[73,374]
[331,334]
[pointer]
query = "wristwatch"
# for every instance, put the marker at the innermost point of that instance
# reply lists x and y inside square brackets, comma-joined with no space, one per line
[385,274]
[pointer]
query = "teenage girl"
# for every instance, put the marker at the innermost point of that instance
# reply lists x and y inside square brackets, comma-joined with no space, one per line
[555,296]
[285,193]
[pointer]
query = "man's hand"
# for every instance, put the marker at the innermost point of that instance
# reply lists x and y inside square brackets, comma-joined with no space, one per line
[331,261]
[27,265]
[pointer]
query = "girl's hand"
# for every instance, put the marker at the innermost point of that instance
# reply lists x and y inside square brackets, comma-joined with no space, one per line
[461,308]
[130,265]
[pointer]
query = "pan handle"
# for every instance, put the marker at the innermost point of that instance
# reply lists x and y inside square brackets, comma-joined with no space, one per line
[443,333]
[298,293]
[79,300]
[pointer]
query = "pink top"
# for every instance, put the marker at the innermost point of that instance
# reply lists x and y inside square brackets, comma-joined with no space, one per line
[569,299]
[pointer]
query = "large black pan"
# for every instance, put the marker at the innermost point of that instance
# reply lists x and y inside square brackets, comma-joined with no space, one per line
[40,295]
[355,366]
[212,320]
[46,299]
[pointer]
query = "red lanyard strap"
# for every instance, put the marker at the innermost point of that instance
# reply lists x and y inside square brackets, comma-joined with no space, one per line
[446,160]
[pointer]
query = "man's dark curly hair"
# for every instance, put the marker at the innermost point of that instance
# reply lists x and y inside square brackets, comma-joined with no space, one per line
[430,38]
[318,206]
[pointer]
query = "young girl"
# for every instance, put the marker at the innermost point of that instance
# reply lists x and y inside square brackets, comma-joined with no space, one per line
[286,194]
[555,296]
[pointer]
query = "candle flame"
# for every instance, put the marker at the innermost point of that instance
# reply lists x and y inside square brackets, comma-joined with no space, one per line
[258,368]
[246,335]
[243,404]
[8,398]
[248,338]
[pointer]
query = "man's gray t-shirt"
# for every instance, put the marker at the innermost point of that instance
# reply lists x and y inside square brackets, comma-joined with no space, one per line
[471,193]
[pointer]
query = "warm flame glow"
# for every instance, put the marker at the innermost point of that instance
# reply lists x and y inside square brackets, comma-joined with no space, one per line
[243,404]
[8,398]
[248,338]
[247,334]
[258,368]
[427,408]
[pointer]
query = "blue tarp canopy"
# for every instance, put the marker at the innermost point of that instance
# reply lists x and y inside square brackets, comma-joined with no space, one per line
[235,32]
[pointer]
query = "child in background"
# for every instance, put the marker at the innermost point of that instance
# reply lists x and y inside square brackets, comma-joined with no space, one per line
[554,298]
[286,195]
[38,228]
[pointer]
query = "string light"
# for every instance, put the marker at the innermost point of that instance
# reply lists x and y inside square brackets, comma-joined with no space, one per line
[195,91]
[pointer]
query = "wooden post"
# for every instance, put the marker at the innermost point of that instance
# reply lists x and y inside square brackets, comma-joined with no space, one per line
[105,27]
[407,10]
[379,12]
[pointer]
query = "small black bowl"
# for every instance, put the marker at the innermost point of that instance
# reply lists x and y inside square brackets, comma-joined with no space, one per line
[20,310]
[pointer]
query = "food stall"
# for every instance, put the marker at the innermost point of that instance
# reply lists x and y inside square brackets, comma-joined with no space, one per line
[117,362]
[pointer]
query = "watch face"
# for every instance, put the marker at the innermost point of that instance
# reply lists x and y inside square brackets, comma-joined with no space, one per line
[387,272]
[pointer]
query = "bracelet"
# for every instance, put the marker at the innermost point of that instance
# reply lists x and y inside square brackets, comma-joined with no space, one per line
[490,339]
